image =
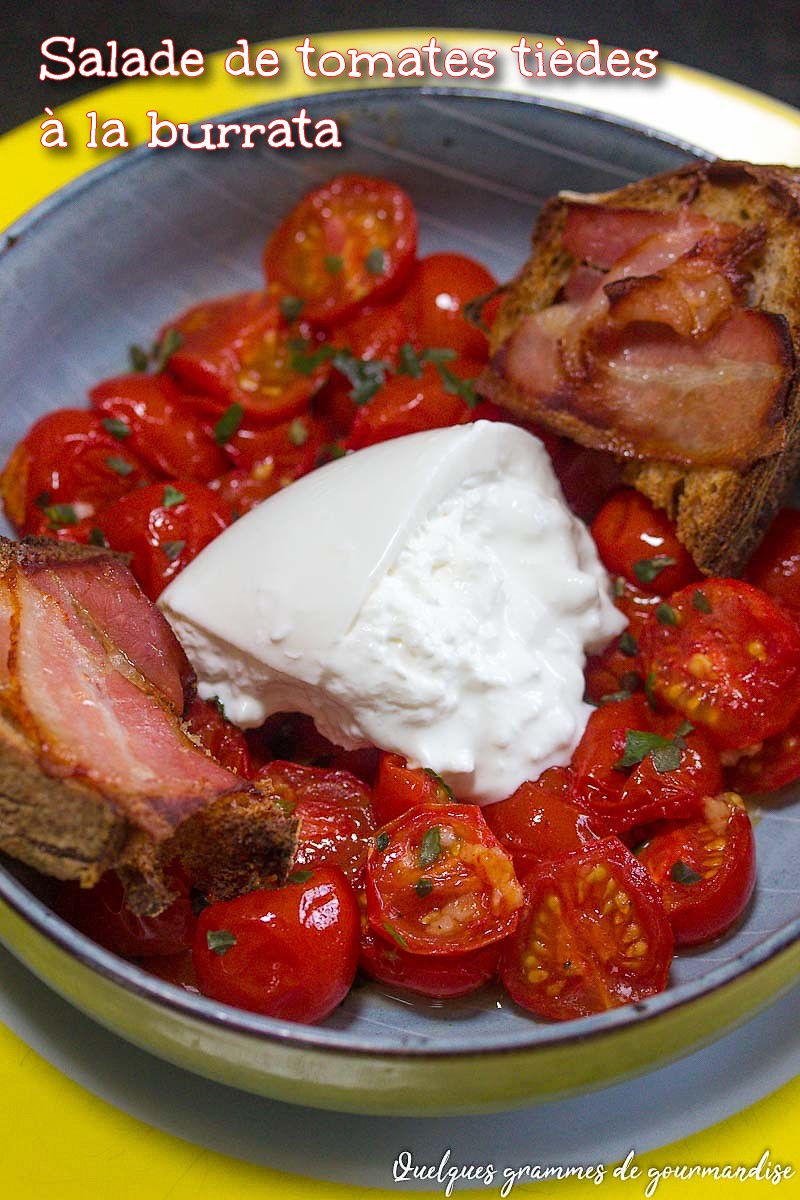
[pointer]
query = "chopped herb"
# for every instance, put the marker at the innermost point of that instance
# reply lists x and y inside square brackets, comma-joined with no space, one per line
[117,429]
[395,936]
[97,538]
[43,500]
[228,424]
[139,359]
[291,307]
[334,263]
[613,697]
[120,466]
[648,569]
[680,873]
[330,452]
[382,842]
[472,311]
[465,388]
[172,549]
[375,262]
[60,515]
[631,681]
[650,690]
[216,703]
[298,432]
[299,877]
[423,887]
[628,645]
[172,496]
[438,779]
[430,846]
[665,752]
[666,614]
[220,940]
[164,350]
[700,601]
[364,375]
[306,361]
[408,361]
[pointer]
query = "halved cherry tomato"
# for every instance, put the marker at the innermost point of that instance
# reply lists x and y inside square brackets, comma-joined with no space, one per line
[102,914]
[289,952]
[728,658]
[593,935]
[633,765]
[349,242]
[334,810]
[439,882]
[434,302]
[705,868]
[768,765]
[408,405]
[538,822]
[441,976]
[775,566]
[66,468]
[639,542]
[163,527]
[237,350]
[398,788]
[219,736]
[156,420]
[267,461]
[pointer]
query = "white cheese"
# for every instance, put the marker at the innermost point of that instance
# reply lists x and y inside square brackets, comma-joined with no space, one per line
[432,595]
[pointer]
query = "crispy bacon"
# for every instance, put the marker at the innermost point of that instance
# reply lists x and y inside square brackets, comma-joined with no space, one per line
[600,236]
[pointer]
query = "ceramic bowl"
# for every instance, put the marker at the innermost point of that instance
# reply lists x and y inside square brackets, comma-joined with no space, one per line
[100,266]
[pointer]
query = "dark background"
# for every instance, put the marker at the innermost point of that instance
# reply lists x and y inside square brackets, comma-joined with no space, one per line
[753,43]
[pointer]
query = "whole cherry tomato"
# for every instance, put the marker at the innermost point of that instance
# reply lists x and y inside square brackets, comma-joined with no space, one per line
[538,822]
[347,243]
[102,914]
[639,542]
[593,935]
[775,566]
[163,527]
[409,404]
[289,952]
[398,788]
[441,976]
[434,302]
[728,658]
[267,460]
[705,868]
[439,882]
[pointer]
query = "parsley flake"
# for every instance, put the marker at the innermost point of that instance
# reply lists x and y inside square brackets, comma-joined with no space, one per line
[216,703]
[648,569]
[97,538]
[117,429]
[375,262]
[650,690]
[665,752]
[382,842]
[364,375]
[172,496]
[700,601]
[423,887]
[120,466]
[298,433]
[681,873]
[306,361]
[395,936]
[628,645]
[164,350]
[172,549]
[228,424]
[333,263]
[299,877]
[291,307]
[448,791]
[472,311]
[139,359]
[60,515]
[666,615]
[220,940]
[430,847]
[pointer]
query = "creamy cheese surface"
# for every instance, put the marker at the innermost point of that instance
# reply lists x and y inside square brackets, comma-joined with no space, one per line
[432,595]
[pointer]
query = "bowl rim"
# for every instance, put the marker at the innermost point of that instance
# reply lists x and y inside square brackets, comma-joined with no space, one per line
[131,978]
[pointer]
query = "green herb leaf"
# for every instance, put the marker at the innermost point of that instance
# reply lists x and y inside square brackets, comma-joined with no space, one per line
[333,263]
[631,681]
[172,549]
[700,601]
[306,361]
[220,940]
[665,752]
[382,842]
[408,361]
[216,703]
[666,614]
[60,515]
[681,873]
[291,307]
[423,887]
[117,429]
[164,350]
[172,496]
[650,690]
[43,500]
[139,359]
[299,877]
[298,432]
[120,466]
[448,791]
[375,262]
[648,569]
[472,311]
[465,388]
[330,452]
[364,375]
[395,936]
[97,538]
[613,697]
[430,847]
[628,645]
[228,424]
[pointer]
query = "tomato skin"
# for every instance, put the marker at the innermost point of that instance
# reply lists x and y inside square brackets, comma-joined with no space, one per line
[537,822]
[628,532]
[102,914]
[142,525]
[177,969]
[296,948]
[407,405]
[334,810]
[440,287]
[64,460]
[625,798]
[474,895]
[720,847]
[775,566]
[574,953]
[398,788]
[344,220]
[235,350]
[734,669]
[219,736]
[774,764]
[164,431]
[440,976]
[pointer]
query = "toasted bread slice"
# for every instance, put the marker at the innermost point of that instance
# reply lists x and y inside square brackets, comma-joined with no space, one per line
[720,512]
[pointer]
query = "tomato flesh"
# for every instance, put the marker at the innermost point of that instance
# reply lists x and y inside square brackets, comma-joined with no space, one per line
[593,935]
[440,976]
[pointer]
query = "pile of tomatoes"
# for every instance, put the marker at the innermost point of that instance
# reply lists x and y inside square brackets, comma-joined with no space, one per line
[575,890]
